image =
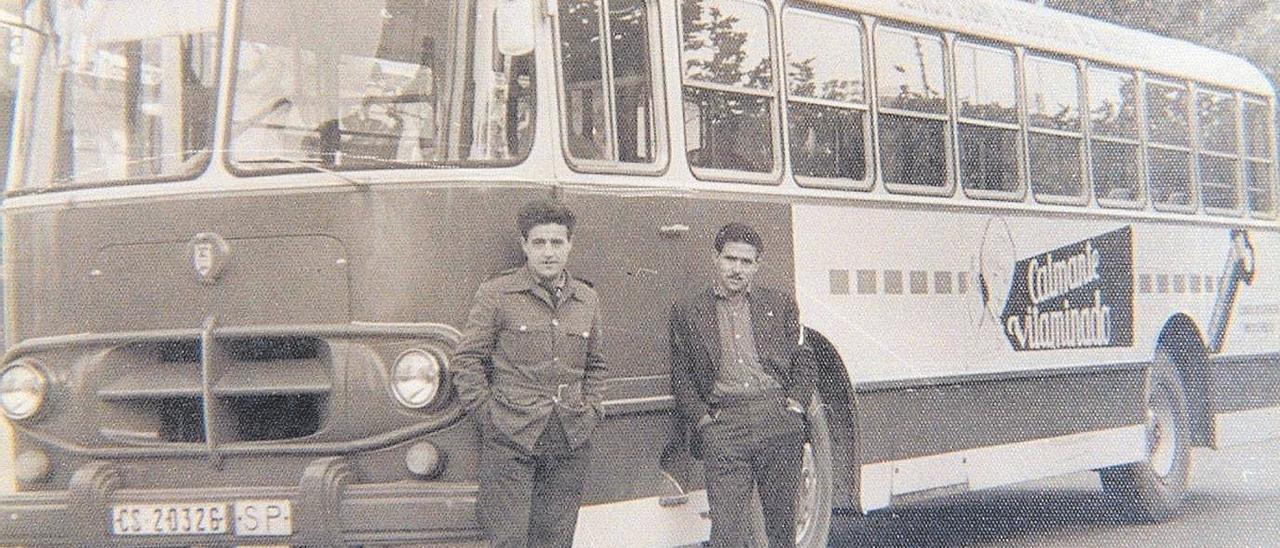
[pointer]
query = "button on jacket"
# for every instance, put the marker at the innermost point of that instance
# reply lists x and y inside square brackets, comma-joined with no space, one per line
[525,354]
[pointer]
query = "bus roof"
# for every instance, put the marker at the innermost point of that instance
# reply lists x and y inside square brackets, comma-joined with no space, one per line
[1056,31]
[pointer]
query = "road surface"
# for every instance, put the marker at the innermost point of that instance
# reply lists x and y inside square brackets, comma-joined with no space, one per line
[1233,500]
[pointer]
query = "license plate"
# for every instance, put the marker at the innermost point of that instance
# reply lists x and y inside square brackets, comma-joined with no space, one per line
[264,518]
[250,518]
[169,519]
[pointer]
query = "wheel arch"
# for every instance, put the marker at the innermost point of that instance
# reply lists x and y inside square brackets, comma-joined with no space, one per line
[1181,341]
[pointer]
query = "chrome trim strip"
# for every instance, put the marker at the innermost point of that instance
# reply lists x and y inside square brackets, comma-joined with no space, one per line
[208,353]
[445,332]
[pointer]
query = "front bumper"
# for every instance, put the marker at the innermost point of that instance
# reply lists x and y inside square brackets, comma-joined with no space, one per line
[326,511]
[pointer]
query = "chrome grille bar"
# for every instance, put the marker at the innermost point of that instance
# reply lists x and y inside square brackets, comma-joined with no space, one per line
[208,353]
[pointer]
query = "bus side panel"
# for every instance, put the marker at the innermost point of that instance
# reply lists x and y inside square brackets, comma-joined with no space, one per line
[975,433]
[907,292]
[907,421]
[1244,399]
[974,337]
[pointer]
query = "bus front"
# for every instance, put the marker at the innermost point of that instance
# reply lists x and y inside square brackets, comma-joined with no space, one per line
[234,262]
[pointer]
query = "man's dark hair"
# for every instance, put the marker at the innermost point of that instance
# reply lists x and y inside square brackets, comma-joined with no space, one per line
[738,232]
[544,212]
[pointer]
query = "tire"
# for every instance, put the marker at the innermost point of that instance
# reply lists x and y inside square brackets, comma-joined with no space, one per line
[1152,490]
[813,498]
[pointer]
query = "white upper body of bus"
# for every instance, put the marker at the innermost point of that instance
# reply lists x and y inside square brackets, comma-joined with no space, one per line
[457,88]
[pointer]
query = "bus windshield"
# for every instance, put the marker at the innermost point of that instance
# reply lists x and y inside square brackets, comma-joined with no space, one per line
[124,90]
[381,84]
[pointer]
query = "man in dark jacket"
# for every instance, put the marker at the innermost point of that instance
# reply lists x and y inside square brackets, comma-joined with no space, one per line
[536,329]
[742,375]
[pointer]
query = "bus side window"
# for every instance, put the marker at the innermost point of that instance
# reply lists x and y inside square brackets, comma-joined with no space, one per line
[827,98]
[1113,123]
[1055,130]
[1168,143]
[1259,158]
[728,85]
[1218,159]
[986,88]
[912,110]
[608,114]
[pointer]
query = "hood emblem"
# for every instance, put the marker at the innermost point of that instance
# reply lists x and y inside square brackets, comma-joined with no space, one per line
[209,256]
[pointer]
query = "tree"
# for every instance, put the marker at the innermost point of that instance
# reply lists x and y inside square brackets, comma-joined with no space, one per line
[1250,28]
[709,30]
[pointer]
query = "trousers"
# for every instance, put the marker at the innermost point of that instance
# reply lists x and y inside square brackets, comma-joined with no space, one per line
[753,443]
[530,499]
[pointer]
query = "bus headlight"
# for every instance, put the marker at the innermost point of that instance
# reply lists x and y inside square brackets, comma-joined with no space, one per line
[22,390]
[415,379]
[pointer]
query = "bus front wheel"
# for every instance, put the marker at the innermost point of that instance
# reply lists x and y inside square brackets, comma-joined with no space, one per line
[1152,490]
[813,501]
[814,494]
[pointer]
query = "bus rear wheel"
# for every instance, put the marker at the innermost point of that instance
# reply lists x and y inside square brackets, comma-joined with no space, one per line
[1152,490]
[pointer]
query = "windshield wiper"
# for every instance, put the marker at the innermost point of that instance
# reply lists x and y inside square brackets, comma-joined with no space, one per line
[4,20]
[385,162]
[313,165]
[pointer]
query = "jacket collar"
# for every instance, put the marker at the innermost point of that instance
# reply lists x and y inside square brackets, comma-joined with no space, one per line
[719,292]
[524,280]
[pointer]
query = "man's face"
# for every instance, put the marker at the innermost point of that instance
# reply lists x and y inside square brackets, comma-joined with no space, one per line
[738,263]
[547,250]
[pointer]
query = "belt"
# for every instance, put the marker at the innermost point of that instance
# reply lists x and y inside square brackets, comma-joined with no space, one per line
[570,392]
[763,396]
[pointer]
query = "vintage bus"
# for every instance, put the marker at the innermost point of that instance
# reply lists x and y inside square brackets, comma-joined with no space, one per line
[240,239]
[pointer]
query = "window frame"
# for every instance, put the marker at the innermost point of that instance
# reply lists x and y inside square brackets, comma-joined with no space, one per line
[1150,144]
[238,169]
[1201,151]
[1019,194]
[662,141]
[864,107]
[37,175]
[1086,182]
[1269,160]
[1140,200]
[947,118]
[774,175]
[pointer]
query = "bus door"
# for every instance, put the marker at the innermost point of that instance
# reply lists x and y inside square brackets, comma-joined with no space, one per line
[636,252]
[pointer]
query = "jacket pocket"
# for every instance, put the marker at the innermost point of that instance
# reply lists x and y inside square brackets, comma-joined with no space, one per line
[577,341]
[581,417]
[526,342]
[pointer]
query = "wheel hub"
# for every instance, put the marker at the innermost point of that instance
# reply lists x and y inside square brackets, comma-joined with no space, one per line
[1162,438]
[806,497]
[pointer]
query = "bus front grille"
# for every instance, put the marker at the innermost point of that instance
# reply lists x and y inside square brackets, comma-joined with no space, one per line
[248,389]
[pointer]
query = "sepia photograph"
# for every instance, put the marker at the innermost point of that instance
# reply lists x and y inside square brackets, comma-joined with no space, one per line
[640,273]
